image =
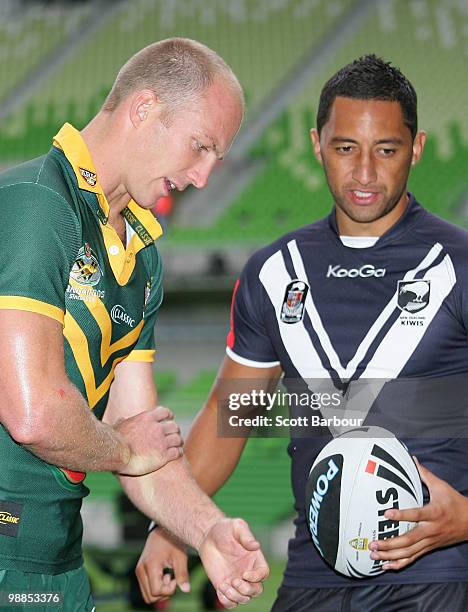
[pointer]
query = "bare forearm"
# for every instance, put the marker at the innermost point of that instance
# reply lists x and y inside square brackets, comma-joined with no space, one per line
[212,459]
[64,432]
[171,497]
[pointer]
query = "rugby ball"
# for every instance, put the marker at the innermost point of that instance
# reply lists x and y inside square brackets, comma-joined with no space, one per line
[353,481]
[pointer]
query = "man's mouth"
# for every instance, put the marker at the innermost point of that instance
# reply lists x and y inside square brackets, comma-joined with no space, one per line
[364,197]
[170,186]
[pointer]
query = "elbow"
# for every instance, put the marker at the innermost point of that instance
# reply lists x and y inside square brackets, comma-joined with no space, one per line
[26,426]
[26,432]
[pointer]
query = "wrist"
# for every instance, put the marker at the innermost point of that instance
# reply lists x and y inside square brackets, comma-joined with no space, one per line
[204,526]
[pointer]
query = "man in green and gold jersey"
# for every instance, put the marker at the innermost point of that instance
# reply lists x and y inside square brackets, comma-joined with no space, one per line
[80,286]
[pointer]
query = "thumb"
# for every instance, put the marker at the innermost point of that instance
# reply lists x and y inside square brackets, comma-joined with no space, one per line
[181,573]
[244,536]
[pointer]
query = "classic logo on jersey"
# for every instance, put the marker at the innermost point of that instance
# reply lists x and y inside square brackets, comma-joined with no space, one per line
[413,296]
[89,177]
[118,315]
[359,543]
[10,518]
[292,310]
[365,271]
[86,269]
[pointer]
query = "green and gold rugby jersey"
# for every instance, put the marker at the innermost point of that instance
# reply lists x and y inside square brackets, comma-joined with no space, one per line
[61,258]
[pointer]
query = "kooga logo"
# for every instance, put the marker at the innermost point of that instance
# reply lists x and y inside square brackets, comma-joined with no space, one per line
[364,271]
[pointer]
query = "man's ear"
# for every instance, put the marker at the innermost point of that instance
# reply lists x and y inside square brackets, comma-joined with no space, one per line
[418,146]
[315,138]
[142,104]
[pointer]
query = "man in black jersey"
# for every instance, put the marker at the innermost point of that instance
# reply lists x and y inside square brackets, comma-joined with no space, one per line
[383,295]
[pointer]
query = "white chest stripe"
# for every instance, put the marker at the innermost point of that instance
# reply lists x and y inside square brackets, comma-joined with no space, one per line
[299,346]
[400,343]
[347,372]
[390,356]
[274,277]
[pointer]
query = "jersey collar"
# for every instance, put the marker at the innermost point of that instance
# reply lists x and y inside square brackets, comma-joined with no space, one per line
[70,141]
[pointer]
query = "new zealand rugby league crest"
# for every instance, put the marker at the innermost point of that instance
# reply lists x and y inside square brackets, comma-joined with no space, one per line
[86,269]
[292,310]
[413,295]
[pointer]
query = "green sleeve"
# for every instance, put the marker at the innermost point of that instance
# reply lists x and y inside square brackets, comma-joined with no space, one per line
[40,235]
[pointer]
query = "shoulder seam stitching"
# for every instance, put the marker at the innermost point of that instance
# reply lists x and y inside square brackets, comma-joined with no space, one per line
[40,169]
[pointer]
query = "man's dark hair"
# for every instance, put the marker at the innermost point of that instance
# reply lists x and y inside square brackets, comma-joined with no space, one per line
[370,78]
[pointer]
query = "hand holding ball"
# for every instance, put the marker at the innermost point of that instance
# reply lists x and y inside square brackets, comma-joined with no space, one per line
[353,481]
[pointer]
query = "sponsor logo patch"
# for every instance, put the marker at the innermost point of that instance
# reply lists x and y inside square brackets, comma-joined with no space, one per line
[118,315]
[89,177]
[292,310]
[359,543]
[86,269]
[10,518]
[365,271]
[413,296]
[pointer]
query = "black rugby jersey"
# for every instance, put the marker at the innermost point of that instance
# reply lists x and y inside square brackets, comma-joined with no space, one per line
[396,311]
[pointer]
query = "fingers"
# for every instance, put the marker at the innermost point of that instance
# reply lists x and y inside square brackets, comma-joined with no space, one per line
[231,595]
[162,413]
[173,453]
[155,582]
[418,534]
[227,603]
[143,581]
[402,552]
[181,572]
[397,565]
[413,515]
[259,574]
[170,427]
[246,588]
[172,432]
[174,440]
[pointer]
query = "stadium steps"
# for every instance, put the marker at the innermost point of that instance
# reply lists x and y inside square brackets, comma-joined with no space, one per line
[242,32]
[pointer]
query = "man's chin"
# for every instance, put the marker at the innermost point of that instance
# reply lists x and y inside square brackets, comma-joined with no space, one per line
[363,214]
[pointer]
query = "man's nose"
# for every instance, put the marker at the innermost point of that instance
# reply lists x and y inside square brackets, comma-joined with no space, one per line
[200,172]
[364,171]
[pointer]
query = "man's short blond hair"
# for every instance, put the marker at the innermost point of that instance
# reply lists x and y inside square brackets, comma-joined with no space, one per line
[177,70]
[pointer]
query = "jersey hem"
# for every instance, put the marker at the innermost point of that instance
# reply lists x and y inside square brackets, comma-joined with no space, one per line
[16,302]
[316,581]
[250,362]
[39,567]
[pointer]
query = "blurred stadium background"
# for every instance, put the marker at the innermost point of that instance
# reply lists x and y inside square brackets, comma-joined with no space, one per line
[58,60]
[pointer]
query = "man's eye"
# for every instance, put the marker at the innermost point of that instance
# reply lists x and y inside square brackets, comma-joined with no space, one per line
[201,147]
[388,152]
[344,149]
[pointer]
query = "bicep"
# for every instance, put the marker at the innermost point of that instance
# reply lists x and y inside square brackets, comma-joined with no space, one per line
[132,391]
